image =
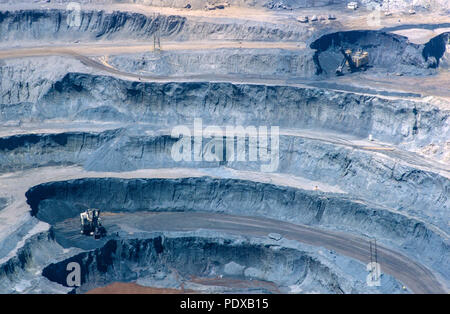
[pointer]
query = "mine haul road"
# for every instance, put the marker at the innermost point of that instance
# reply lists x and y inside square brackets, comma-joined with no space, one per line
[88,55]
[411,273]
[415,276]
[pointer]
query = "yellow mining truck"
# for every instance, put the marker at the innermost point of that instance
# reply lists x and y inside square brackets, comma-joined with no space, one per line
[354,61]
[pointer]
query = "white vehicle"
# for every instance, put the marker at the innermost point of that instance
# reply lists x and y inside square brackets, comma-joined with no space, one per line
[275,236]
[352,5]
[303,19]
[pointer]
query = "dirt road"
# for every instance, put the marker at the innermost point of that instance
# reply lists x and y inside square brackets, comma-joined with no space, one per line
[415,276]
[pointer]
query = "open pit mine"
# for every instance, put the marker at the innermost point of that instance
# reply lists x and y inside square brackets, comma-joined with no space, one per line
[205,146]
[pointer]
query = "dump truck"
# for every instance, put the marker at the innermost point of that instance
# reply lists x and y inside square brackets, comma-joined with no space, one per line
[91,223]
[354,61]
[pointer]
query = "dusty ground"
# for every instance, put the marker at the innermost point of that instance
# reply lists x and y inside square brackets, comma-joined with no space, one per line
[348,18]
[95,56]
[133,288]
[95,49]
[436,85]
[420,35]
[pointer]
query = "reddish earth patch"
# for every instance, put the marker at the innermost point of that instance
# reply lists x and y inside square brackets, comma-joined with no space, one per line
[236,283]
[133,288]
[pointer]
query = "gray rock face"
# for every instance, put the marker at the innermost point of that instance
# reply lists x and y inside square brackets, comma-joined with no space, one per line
[24,80]
[170,259]
[40,24]
[37,150]
[79,96]
[170,104]
[256,62]
[34,25]
[19,273]
[57,201]
[3,202]
[387,52]
[434,51]
[387,195]
[154,260]
[375,178]
[233,269]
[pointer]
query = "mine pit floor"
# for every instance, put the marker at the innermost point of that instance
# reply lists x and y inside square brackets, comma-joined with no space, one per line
[202,284]
[137,224]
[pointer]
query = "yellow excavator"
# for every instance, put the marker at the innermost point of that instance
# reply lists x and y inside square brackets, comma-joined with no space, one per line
[354,61]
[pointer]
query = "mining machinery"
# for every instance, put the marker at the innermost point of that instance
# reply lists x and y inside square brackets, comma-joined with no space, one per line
[91,223]
[354,61]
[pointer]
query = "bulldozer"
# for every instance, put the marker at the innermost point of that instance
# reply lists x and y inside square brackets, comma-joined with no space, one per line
[91,223]
[354,61]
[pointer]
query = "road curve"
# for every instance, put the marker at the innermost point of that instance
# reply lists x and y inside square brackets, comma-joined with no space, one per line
[412,274]
[84,54]
[417,277]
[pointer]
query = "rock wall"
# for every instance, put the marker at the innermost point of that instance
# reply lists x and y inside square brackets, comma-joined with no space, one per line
[57,201]
[375,178]
[100,98]
[191,257]
[52,25]
[387,52]
[255,62]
